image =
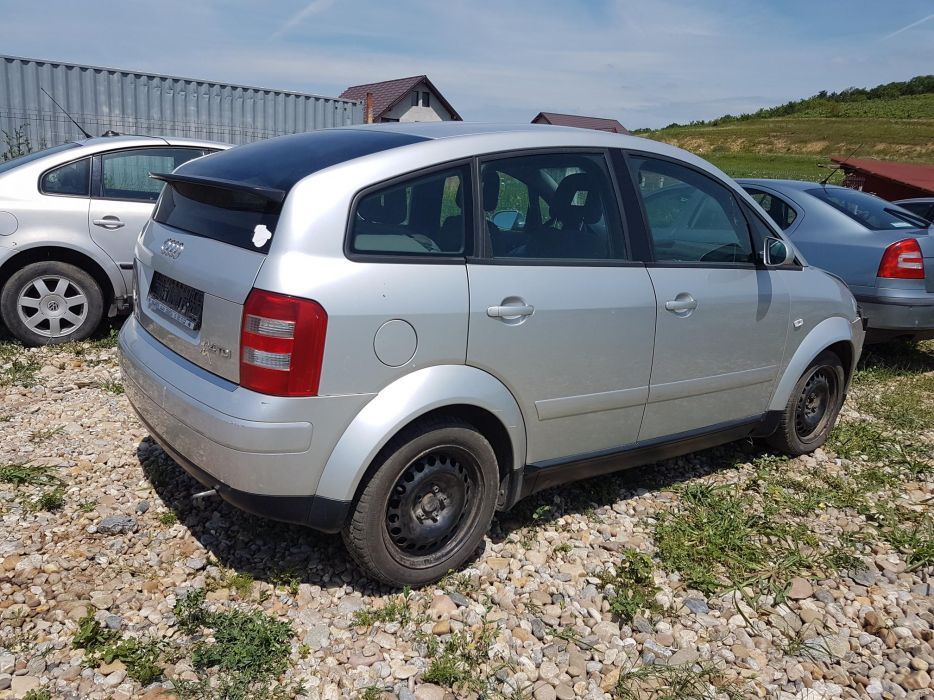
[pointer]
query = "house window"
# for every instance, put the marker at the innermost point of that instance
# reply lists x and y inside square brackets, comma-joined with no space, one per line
[426,99]
[415,99]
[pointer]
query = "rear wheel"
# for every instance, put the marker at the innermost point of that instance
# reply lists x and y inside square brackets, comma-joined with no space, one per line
[427,507]
[812,408]
[51,302]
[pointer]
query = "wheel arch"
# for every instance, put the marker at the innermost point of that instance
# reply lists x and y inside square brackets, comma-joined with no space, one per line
[834,334]
[459,391]
[110,283]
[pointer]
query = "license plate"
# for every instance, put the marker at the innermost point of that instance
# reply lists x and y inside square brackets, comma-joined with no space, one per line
[181,303]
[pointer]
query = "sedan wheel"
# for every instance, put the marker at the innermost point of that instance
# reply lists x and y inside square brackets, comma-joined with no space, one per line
[51,302]
[52,306]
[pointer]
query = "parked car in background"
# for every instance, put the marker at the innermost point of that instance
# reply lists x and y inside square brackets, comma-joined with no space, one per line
[884,253]
[922,206]
[69,219]
[307,344]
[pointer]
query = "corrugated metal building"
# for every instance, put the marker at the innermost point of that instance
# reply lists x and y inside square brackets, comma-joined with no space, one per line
[129,102]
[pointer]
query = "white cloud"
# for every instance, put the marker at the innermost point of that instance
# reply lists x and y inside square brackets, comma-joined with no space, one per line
[312,8]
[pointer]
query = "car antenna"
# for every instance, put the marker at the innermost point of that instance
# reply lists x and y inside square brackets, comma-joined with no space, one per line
[80,128]
[840,165]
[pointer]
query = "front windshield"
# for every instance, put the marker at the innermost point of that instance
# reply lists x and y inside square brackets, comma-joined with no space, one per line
[29,157]
[872,212]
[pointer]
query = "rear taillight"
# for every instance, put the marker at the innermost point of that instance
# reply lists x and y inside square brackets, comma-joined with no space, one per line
[282,344]
[902,260]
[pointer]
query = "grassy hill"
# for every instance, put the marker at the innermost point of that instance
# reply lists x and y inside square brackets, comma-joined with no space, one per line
[790,141]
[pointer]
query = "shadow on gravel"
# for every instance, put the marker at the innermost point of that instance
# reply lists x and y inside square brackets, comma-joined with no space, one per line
[278,553]
[587,496]
[902,357]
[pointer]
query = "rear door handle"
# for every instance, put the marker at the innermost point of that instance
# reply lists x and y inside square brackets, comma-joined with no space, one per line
[509,311]
[111,222]
[681,303]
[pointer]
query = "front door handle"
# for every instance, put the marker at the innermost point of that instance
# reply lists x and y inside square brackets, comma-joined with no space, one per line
[110,222]
[509,311]
[681,304]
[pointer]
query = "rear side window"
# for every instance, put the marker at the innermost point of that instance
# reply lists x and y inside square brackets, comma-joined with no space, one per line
[125,174]
[780,211]
[234,217]
[424,215]
[692,218]
[73,179]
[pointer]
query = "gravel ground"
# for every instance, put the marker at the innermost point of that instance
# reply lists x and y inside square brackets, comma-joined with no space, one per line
[114,584]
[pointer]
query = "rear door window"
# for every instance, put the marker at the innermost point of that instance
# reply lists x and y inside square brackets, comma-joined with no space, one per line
[419,216]
[125,174]
[552,206]
[692,218]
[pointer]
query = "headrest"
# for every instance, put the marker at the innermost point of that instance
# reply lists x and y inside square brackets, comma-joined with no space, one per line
[384,208]
[490,190]
[576,201]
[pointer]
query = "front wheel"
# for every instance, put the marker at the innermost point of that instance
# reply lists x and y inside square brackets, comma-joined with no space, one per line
[427,507]
[812,408]
[51,302]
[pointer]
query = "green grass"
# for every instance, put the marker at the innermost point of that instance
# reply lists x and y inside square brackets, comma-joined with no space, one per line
[112,387]
[396,609]
[38,694]
[20,373]
[633,585]
[685,682]
[168,518]
[22,475]
[455,663]
[37,436]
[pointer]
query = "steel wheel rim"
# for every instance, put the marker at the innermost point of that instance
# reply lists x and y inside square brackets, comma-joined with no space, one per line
[52,306]
[815,403]
[432,506]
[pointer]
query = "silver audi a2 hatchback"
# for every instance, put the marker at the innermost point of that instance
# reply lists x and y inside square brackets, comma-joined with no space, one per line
[394,331]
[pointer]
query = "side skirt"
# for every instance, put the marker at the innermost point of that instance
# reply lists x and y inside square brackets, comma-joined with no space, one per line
[543,475]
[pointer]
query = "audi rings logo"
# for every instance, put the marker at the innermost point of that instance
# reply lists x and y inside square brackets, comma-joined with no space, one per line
[172,248]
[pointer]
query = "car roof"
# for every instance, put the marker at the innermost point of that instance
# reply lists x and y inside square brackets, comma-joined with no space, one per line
[133,140]
[912,200]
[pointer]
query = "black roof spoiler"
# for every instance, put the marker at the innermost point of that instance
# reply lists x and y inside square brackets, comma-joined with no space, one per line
[268,193]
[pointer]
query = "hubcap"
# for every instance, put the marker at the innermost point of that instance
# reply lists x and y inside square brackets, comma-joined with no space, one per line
[814,404]
[432,503]
[52,306]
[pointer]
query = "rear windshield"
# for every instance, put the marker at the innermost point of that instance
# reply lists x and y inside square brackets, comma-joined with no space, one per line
[872,212]
[29,157]
[230,216]
[246,220]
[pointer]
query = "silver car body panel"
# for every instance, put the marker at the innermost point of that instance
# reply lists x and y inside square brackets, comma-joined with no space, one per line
[575,377]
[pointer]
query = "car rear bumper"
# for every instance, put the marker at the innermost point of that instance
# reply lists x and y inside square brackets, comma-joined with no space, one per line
[241,443]
[902,316]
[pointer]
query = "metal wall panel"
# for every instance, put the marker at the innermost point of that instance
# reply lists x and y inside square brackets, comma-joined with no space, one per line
[128,102]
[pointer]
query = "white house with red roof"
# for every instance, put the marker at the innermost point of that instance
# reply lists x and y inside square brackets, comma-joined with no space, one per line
[413,99]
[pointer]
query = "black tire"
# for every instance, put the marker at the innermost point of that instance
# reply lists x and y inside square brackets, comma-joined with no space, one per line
[399,532]
[70,307]
[812,408]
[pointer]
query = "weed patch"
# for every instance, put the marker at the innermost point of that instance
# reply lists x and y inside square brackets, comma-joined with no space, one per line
[685,682]
[633,586]
[397,609]
[20,373]
[140,656]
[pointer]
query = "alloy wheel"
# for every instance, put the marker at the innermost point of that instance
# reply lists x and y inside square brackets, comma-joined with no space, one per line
[52,306]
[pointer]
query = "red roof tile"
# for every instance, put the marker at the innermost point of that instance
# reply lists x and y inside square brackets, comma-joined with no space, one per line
[388,93]
[913,174]
[581,122]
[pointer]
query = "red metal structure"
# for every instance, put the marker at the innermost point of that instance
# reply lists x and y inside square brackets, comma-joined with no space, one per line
[887,179]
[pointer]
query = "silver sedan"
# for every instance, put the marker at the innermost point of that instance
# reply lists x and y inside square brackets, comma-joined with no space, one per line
[884,252]
[69,218]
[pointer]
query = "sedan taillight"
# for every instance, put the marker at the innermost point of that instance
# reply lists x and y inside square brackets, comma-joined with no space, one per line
[282,344]
[902,260]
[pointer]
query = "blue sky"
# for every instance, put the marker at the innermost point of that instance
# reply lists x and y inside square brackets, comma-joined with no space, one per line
[645,63]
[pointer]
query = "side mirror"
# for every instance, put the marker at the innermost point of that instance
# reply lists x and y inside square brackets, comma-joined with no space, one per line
[776,253]
[506,219]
